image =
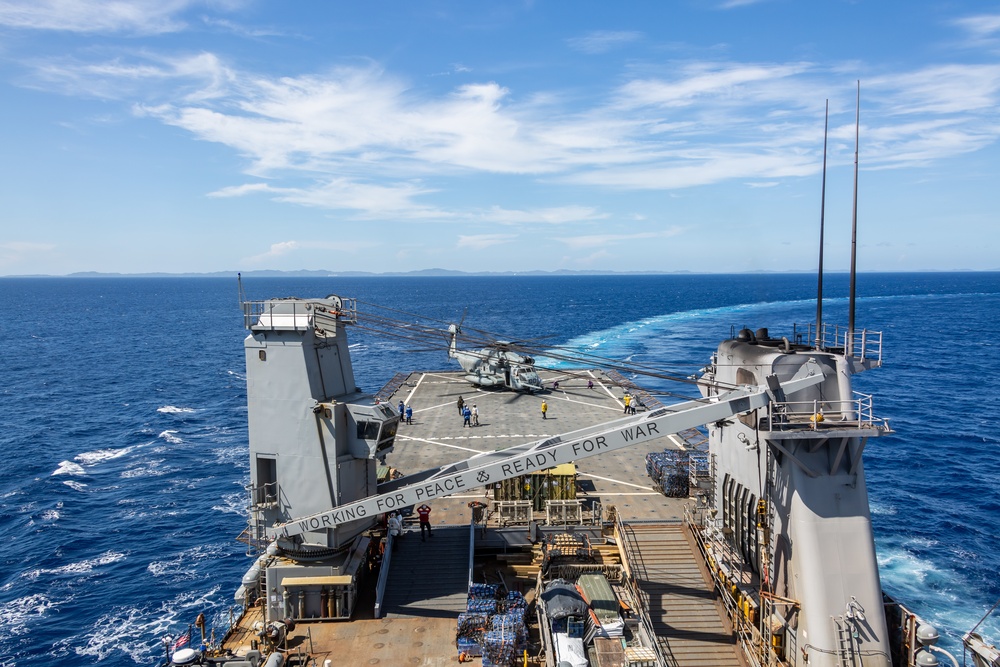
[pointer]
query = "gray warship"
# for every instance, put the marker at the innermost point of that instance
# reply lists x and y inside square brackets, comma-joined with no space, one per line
[760,552]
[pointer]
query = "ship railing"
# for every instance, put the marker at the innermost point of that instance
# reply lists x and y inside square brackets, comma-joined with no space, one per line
[260,498]
[302,315]
[863,345]
[631,559]
[756,646]
[383,575]
[264,496]
[819,415]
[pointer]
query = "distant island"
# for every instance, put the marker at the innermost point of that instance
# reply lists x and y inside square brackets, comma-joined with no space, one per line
[441,273]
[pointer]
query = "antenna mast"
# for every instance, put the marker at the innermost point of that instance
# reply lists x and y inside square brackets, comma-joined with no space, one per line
[822,214]
[854,228]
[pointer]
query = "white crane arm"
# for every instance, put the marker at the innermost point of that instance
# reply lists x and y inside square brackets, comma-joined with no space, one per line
[492,467]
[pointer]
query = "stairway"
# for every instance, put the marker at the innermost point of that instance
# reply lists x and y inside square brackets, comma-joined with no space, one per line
[429,578]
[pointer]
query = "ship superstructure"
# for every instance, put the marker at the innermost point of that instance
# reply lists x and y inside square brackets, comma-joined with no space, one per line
[770,561]
[791,499]
[315,441]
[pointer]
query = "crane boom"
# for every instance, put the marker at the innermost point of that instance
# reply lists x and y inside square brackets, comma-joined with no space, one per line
[491,467]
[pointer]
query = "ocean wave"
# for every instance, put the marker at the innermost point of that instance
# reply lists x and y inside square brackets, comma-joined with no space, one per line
[137,631]
[97,456]
[73,484]
[171,437]
[180,567]
[174,410]
[232,503]
[231,455]
[68,468]
[78,568]
[145,469]
[16,616]
[883,509]
[49,515]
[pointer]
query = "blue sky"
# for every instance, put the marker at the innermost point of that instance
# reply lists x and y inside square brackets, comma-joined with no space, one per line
[191,136]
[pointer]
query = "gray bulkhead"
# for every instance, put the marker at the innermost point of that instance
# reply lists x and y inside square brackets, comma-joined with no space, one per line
[314,439]
[822,548]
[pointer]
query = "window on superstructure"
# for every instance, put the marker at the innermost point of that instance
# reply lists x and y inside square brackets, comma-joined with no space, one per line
[745,546]
[368,430]
[726,488]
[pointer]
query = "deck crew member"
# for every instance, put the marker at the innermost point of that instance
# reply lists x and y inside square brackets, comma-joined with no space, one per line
[425,521]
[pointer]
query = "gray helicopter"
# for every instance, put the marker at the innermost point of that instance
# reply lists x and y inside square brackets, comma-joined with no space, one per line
[495,366]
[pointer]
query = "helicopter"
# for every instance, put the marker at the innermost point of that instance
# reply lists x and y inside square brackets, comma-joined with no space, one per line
[496,365]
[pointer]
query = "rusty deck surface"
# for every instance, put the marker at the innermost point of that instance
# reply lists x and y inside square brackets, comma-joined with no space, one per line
[679,597]
[390,642]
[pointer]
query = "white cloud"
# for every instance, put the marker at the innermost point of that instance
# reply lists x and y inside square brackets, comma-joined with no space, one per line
[285,248]
[483,241]
[725,82]
[358,138]
[552,216]
[95,16]
[981,28]
[602,41]
[713,166]
[732,4]
[940,89]
[603,240]
[395,199]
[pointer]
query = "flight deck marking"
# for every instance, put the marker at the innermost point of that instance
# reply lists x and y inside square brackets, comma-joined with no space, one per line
[630,493]
[614,481]
[434,442]
[414,390]
[592,405]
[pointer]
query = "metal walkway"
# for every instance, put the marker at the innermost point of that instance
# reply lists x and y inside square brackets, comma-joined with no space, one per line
[429,579]
[678,598]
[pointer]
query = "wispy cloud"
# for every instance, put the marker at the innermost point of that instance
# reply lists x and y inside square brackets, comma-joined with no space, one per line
[483,241]
[551,216]
[96,16]
[730,83]
[361,139]
[981,29]
[286,248]
[602,41]
[604,240]
[941,89]
[733,4]
[371,199]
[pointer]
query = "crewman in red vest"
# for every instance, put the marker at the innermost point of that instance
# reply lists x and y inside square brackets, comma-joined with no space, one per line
[425,521]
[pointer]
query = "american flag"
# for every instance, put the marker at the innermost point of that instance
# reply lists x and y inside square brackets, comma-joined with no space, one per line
[182,640]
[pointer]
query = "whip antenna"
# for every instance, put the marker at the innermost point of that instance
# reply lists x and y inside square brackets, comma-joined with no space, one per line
[822,214]
[854,228]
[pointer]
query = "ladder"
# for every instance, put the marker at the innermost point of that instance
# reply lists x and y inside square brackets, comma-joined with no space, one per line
[846,651]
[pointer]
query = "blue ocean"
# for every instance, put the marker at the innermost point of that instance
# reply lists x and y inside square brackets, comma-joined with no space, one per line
[124,434]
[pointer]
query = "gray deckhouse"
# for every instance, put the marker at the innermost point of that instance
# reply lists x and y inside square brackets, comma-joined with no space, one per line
[314,437]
